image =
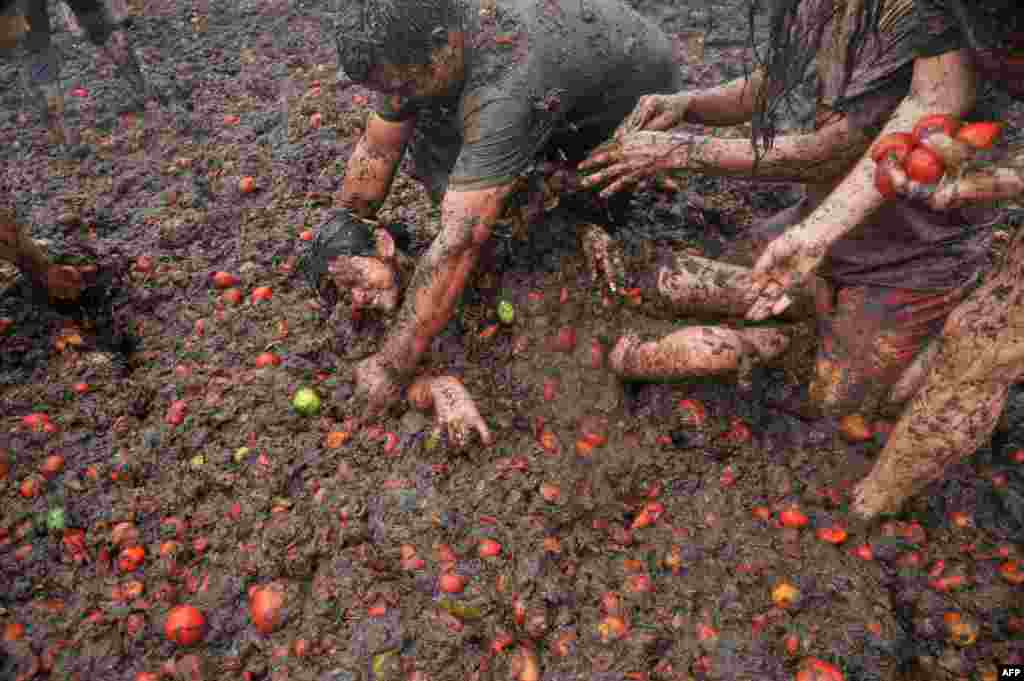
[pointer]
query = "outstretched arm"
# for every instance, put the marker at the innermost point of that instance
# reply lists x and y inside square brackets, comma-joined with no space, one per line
[823,155]
[941,85]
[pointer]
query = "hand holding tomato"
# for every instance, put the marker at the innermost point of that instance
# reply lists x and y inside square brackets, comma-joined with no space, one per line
[925,164]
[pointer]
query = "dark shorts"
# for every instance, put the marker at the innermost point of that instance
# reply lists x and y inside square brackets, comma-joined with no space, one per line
[868,335]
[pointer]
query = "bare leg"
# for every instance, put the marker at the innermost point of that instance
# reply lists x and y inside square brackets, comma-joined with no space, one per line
[695,351]
[981,355]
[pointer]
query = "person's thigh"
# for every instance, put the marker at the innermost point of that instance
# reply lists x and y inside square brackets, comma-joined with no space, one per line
[869,338]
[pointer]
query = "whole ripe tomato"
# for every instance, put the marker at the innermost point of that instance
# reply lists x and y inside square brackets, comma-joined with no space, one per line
[924,165]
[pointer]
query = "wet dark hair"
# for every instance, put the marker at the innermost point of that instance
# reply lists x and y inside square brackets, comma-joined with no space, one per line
[402,32]
[987,24]
[788,57]
[345,234]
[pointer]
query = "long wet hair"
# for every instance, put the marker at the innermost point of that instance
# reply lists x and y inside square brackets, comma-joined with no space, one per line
[368,32]
[788,57]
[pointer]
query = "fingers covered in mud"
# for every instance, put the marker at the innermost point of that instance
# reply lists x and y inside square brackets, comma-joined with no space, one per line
[458,418]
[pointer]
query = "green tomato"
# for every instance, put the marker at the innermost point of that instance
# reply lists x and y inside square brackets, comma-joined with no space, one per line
[506,313]
[306,402]
[55,519]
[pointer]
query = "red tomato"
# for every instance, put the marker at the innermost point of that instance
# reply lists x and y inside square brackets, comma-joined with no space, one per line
[924,165]
[185,625]
[792,517]
[267,359]
[894,145]
[980,135]
[935,122]
[224,280]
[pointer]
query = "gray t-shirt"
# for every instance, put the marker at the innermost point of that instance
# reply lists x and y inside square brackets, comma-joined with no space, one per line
[542,76]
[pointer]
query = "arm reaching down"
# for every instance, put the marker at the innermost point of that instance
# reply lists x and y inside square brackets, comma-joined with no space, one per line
[373,163]
[941,85]
[817,157]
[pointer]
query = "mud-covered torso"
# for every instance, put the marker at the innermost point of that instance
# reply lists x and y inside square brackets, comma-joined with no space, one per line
[541,75]
[904,244]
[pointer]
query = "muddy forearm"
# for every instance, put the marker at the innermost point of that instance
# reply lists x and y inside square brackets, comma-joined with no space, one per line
[441,275]
[728,104]
[373,165]
[815,158]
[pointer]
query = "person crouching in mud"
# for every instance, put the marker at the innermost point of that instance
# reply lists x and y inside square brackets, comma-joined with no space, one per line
[981,351]
[885,288]
[28,21]
[478,90]
[60,282]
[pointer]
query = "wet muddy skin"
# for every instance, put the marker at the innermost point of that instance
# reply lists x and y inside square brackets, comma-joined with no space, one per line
[653,548]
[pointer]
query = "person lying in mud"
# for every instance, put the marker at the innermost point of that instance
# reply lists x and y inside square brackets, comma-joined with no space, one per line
[481,92]
[885,288]
[28,22]
[981,351]
[59,282]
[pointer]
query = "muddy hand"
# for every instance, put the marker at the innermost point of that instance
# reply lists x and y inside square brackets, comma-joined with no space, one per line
[784,266]
[456,412]
[603,258]
[630,160]
[954,191]
[376,389]
[655,112]
[64,282]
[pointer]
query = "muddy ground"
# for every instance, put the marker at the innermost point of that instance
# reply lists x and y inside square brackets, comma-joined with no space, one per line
[245,491]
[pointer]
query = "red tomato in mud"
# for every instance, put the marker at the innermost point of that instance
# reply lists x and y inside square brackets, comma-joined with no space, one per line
[267,359]
[36,421]
[223,280]
[232,296]
[832,535]
[924,165]
[793,517]
[813,669]
[176,413]
[262,293]
[451,583]
[694,412]
[185,625]
[266,607]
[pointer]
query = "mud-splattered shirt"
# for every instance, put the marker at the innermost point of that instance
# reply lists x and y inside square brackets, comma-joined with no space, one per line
[904,244]
[542,75]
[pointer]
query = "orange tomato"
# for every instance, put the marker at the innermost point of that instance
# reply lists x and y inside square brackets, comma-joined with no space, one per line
[267,359]
[262,293]
[266,607]
[185,625]
[792,517]
[247,185]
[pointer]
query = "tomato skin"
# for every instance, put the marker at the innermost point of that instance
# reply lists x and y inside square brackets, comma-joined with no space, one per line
[935,122]
[980,135]
[185,625]
[924,165]
[883,179]
[895,145]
